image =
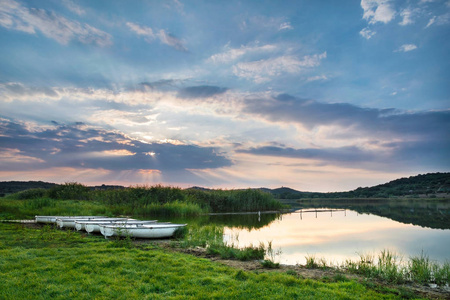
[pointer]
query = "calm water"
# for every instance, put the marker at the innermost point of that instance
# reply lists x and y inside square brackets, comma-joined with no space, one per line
[341,235]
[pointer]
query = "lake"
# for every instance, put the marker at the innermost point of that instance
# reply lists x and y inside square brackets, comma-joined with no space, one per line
[346,230]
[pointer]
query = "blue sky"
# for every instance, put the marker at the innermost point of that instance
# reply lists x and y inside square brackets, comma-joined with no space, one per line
[314,95]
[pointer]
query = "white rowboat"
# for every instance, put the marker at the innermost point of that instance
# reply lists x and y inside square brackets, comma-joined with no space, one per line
[81,224]
[146,231]
[93,226]
[69,222]
[52,219]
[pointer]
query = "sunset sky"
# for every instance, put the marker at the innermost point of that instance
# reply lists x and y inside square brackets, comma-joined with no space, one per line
[313,95]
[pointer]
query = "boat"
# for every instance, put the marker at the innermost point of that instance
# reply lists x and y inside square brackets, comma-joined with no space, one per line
[52,219]
[145,231]
[81,224]
[69,222]
[94,226]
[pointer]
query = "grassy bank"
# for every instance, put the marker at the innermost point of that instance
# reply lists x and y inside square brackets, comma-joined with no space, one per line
[43,263]
[390,267]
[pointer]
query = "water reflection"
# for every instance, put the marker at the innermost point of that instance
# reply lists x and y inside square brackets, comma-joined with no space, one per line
[340,235]
[425,213]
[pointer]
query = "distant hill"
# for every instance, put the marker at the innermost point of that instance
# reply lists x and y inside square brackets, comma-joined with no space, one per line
[11,187]
[432,184]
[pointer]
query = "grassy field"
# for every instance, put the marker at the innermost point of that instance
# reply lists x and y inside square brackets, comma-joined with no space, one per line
[44,263]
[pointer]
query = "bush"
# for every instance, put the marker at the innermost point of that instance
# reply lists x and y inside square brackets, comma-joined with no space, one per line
[69,191]
[30,194]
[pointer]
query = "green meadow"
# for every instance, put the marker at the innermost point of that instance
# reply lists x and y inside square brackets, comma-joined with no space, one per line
[48,263]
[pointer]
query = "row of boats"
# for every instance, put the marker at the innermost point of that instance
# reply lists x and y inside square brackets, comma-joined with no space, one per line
[114,226]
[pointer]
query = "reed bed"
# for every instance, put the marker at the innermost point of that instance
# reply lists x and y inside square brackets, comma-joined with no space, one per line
[149,200]
[390,267]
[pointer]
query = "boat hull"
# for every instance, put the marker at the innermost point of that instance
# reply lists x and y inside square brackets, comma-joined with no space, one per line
[81,224]
[69,222]
[145,231]
[93,227]
[53,219]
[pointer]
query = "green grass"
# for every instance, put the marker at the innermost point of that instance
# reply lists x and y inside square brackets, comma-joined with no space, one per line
[140,200]
[54,264]
[391,268]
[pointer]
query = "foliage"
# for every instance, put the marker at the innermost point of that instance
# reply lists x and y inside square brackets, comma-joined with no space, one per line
[69,190]
[422,184]
[155,200]
[269,264]
[388,266]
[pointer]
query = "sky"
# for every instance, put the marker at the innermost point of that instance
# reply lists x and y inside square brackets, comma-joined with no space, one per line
[314,95]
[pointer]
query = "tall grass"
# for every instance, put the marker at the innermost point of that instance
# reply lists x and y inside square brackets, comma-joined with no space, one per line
[211,238]
[153,200]
[390,267]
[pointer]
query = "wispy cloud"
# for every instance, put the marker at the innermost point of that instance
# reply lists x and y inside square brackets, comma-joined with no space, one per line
[406,48]
[74,7]
[286,26]
[260,22]
[316,78]
[367,33]
[147,32]
[31,20]
[408,15]
[171,40]
[439,20]
[378,11]
[264,70]
[163,36]
[231,54]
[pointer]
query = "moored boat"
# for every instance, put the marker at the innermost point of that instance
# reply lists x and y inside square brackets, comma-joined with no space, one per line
[146,231]
[94,227]
[81,224]
[53,219]
[69,222]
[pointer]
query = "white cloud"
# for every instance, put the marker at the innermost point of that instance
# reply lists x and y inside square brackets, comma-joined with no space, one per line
[231,54]
[147,32]
[377,11]
[407,14]
[367,33]
[431,22]
[171,40]
[286,26]
[17,17]
[74,7]
[263,70]
[266,23]
[406,48]
[318,77]
[439,20]
[162,35]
